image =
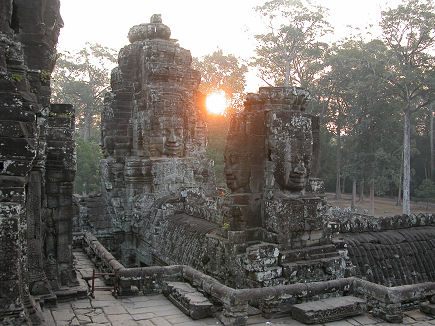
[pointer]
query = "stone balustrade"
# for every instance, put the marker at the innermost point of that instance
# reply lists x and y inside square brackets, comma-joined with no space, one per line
[385,302]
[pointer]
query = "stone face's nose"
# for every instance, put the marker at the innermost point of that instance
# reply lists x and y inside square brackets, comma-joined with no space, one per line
[172,138]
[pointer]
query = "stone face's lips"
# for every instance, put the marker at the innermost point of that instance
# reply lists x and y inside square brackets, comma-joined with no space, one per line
[173,149]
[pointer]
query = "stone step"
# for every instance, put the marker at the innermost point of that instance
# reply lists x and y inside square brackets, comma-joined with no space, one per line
[308,253]
[79,291]
[188,299]
[327,310]
[427,308]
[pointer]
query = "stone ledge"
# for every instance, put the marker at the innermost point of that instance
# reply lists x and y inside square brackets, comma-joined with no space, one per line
[189,300]
[428,308]
[328,309]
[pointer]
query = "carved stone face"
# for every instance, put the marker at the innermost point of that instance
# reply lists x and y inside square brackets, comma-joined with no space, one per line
[292,151]
[167,137]
[236,171]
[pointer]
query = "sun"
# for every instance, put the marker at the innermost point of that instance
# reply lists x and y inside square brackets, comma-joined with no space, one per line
[216,102]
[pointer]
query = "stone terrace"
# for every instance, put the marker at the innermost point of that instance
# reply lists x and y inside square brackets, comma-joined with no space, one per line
[156,310]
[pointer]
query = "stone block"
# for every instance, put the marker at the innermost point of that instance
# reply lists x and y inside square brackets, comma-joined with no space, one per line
[427,308]
[331,309]
[269,273]
[189,300]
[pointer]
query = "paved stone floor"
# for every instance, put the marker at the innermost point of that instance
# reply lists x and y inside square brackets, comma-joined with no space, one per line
[156,310]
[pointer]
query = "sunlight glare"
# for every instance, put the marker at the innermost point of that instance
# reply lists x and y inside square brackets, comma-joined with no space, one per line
[216,102]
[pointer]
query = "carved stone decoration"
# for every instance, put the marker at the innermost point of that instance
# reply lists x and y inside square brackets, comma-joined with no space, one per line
[271,149]
[153,130]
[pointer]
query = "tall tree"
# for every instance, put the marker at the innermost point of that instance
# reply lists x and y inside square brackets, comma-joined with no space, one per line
[220,71]
[408,32]
[290,52]
[226,73]
[432,142]
[81,79]
[361,115]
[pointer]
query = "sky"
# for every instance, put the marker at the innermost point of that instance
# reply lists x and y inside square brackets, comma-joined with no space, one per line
[201,26]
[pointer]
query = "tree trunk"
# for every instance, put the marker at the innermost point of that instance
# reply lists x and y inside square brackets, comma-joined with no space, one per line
[343,185]
[361,192]
[432,145]
[353,205]
[372,197]
[287,72]
[87,125]
[399,195]
[338,185]
[407,163]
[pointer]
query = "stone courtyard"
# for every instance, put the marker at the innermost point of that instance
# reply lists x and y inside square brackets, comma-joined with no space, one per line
[157,310]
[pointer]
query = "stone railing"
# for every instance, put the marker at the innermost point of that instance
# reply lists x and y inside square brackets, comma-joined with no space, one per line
[351,222]
[385,302]
[389,303]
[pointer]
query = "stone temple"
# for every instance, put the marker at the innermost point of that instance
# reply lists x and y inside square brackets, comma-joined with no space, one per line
[37,166]
[271,243]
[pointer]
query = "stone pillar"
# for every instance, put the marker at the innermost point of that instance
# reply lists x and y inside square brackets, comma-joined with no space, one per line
[29,32]
[234,314]
[60,173]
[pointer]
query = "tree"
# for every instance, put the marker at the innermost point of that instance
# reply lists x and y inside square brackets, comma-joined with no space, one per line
[334,89]
[431,141]
[426,191]
[88,158]
[360,113]
[81,79]
[408,33]
[290,53]
[221,72]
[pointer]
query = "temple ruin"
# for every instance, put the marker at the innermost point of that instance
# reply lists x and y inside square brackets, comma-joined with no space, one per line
[271,243]
[37,164]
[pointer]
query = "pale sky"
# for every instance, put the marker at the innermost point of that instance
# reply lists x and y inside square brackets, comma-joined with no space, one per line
[200,26]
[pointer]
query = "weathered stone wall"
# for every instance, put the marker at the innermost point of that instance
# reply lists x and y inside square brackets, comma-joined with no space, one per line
[395,257]
[90,215]
[37,162]
[388,250]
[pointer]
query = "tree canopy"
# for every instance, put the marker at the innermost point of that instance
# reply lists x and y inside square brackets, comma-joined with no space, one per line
[82,79]
[291,52]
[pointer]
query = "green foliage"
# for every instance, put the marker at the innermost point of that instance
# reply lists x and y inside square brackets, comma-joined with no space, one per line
[426,190]
[88,158]
[44,76]
[16,78]
[61,115]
